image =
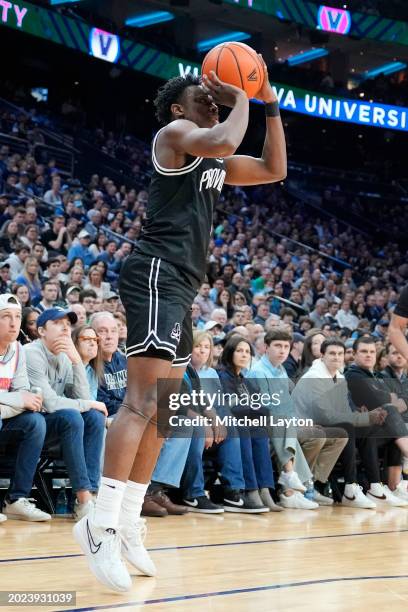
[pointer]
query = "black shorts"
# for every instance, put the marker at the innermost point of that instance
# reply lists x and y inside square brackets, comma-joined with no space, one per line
[157,301]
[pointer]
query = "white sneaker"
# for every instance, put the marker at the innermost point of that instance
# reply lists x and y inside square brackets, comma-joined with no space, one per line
[24,510]
[3,518]
[395,496]
[102,547]
[354,497]
[133,548]
[322,500]
[290,480]
[297,501]
[381,494]
[401,491]
[81,510]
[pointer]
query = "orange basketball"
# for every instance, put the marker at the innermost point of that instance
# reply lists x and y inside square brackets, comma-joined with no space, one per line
[237,64]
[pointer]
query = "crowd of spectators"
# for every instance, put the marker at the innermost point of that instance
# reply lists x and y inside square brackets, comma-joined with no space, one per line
[285,290]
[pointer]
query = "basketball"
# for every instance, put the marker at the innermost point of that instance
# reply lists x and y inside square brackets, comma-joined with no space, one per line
[237,64]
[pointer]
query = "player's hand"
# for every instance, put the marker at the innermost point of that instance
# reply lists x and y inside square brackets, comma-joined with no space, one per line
[378,416]
[31,401]
[220,92]
[266,93]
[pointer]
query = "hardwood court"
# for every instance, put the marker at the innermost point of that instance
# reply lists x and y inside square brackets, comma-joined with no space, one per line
[333,559]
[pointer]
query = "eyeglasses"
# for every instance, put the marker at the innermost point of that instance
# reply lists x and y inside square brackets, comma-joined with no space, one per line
[88,339]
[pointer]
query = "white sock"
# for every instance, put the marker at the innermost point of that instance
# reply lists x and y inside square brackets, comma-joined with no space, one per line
[108,502]
[132,503]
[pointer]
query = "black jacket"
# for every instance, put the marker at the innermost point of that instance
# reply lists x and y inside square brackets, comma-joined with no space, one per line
[366,388]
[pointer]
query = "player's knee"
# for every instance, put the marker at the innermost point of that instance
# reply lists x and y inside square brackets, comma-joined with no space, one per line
[144,405]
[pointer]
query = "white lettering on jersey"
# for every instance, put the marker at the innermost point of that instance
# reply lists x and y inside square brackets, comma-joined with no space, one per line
[212,179]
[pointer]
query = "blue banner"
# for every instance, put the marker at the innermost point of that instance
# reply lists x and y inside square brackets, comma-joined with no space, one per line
[342,109]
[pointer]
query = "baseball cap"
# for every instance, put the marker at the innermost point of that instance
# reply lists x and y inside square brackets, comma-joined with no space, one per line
[383,322]
[54,314]
[298,337]
[211,324]
[84,234]
[349,343]
[248,267]
[8,300]
[4,264]
[73,288]
[112,296]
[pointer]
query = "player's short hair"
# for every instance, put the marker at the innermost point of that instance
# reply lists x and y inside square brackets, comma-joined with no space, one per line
[170,93]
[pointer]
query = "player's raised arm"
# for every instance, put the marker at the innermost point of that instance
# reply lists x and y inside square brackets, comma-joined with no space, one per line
[200,134]
[271,166]
[399,322]
[396,334]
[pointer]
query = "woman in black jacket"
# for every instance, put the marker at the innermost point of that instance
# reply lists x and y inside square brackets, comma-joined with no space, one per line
[254,441]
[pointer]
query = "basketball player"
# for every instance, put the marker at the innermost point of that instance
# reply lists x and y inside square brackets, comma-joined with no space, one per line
[399,323]
[193,155]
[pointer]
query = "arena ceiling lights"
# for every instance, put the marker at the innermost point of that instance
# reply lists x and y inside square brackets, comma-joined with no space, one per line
[148,19]
[208,43]
[59,2]
[385,69]
[307,56]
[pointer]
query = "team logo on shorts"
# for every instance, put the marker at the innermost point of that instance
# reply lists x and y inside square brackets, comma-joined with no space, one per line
[176,332]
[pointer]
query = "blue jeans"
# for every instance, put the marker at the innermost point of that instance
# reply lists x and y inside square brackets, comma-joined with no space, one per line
[172,459]
[32,427]
[81,437]
[256,458]
[228,458]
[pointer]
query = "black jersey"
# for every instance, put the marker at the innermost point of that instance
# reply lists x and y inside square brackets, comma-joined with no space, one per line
[401,308]
[180,213]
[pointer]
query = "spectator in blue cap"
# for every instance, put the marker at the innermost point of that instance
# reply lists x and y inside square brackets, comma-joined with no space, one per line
[72,417]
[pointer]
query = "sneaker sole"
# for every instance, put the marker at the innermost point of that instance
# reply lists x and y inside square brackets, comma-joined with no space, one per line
[79,537]
[350,504]
[18,517]
[299,507]
[203,511]
[384,503]
[246,510]
[140,568]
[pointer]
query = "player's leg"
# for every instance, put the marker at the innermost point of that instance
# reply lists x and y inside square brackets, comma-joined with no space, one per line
[98,533]
[133,529]
[128,428]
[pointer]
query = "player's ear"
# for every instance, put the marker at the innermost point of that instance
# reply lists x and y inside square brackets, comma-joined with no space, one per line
[177,111]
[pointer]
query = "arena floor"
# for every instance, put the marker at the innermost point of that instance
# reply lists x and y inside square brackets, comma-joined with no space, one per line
[330,560]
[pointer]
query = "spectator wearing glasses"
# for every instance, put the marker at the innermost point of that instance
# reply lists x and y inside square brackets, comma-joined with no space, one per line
[112,388]
[20,412]
[86,342]
[72,417]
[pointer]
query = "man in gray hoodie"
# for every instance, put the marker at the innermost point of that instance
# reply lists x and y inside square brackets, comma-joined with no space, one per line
[20,412]
[72,417]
